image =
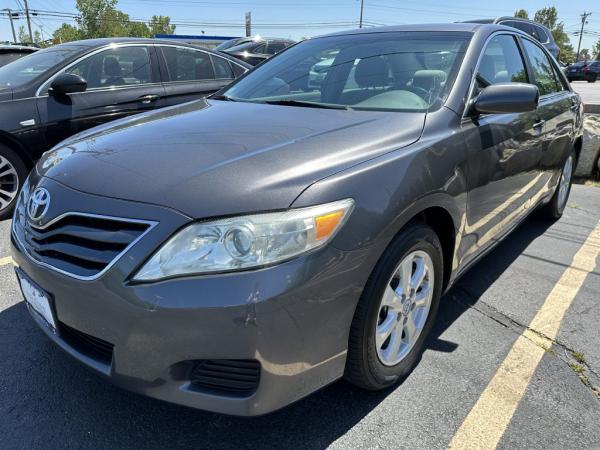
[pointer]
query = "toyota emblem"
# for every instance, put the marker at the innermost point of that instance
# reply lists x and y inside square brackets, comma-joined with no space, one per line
[38,204]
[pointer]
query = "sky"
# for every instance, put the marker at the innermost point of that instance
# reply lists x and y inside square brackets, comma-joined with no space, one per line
[304,18]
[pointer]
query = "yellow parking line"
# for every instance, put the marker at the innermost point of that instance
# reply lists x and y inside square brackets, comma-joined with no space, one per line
[5,261]
[486,422]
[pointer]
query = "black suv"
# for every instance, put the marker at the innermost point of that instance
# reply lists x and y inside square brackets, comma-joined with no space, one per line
[584,71]
[65,89]
[538,31]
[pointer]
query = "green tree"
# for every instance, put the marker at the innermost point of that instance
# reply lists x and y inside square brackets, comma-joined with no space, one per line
[584,55]
[161,25]
[522,13]
[23,36]
[101,18]
[66,33]
[596,49]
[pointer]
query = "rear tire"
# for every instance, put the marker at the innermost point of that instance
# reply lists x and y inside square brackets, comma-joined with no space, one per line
[12,175]
[375,359]
[554,209]
[592,78]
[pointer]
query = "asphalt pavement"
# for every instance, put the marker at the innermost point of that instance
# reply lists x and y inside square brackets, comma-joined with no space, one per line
[590,92]
[49,400]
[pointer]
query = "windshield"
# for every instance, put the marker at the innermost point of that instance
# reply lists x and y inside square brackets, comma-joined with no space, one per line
[24,70]
[404,71]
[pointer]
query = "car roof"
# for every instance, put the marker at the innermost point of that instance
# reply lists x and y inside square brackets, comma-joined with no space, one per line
[468,27]
[503,18]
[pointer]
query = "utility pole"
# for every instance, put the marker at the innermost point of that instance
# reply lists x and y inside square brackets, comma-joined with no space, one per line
[12,25]
[584,17]
[362,5]
[28,21]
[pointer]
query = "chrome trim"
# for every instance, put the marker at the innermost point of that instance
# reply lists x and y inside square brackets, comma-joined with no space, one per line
[92,53]
[151,225]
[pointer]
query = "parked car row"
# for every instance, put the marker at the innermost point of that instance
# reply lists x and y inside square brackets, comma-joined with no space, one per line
[239,252]
[65,89]
[584,71]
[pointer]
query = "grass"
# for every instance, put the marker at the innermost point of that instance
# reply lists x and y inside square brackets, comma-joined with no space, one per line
[577,368]
[579,357]
[594,183]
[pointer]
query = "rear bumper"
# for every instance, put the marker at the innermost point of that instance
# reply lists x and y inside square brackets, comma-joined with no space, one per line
[293,319]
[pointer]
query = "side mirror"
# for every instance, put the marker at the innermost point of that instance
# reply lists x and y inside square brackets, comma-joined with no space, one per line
[507,98]
[67,83]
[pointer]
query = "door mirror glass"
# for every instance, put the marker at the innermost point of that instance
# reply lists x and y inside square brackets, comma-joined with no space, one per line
[507,98]
[67,83]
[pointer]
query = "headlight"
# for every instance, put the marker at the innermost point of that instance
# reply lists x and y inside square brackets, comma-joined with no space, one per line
[246,242]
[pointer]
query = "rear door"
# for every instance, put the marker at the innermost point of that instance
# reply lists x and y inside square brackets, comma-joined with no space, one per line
[121,81]
[506,148]
[557,109]
[189,74]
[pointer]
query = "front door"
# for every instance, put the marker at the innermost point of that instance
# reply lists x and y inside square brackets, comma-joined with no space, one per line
[120,81]
[505,151]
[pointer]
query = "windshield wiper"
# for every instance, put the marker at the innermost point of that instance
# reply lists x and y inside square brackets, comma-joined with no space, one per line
[222,97]
[307,104]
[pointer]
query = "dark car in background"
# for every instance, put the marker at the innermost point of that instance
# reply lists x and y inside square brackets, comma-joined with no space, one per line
[238,253]
[534,29]
[255,52]
[236,41]
[68,88]
[10,53]
[584,71]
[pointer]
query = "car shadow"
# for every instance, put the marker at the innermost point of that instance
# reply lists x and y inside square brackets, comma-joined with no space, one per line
[50,400]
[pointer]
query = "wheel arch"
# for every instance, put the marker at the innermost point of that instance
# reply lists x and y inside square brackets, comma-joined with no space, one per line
[14,144]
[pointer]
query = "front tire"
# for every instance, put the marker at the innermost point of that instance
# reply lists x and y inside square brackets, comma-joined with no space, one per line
[12,175]
[555,207]
[396,310]
[592,78]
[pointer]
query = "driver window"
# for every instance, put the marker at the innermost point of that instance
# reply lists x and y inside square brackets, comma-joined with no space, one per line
[501,62]
[119,66]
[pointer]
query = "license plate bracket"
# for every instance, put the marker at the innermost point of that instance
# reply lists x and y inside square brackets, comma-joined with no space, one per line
[38,301]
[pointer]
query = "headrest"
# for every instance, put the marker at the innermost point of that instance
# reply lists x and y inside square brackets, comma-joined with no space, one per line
[372,72]
[112,68]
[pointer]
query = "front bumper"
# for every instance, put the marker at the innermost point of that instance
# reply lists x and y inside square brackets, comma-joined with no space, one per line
[293,318]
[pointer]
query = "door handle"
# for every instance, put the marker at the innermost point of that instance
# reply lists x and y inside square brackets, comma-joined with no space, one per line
[145,99]
[574,106]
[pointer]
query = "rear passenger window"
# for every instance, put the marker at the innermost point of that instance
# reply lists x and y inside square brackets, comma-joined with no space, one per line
[186,64]
[222,68]
[501,62]
[543,72]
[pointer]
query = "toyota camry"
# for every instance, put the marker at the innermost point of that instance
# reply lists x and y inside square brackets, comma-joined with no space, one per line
[238,269]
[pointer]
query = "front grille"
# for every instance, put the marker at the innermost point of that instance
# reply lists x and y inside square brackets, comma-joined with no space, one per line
[234,376]
[82,245]
[89,345]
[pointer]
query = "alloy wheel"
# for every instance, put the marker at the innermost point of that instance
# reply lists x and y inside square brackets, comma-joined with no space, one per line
[404,307]
[9,183]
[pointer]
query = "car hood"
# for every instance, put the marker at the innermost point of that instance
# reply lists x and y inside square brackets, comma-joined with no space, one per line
[210,158]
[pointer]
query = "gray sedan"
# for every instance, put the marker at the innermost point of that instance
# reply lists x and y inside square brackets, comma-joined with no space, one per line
[238,269]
